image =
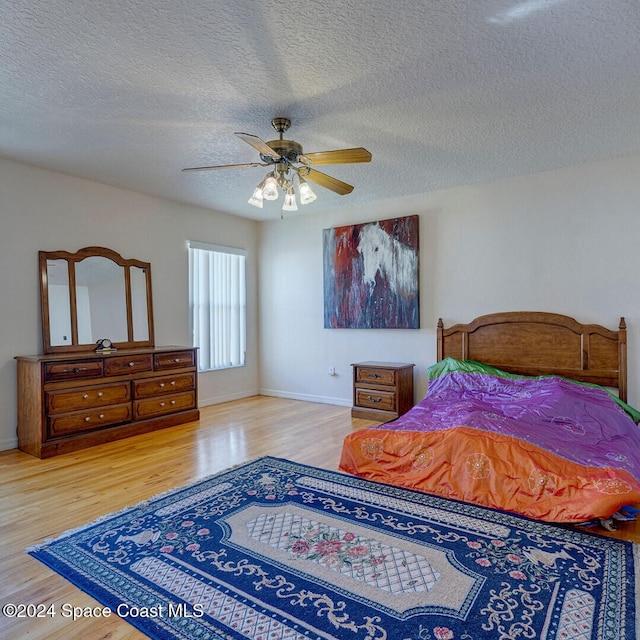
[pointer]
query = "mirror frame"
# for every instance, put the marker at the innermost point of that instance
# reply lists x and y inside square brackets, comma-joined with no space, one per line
[72,259]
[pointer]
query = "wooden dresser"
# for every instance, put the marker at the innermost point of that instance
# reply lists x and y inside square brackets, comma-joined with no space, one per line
[75,400]
[382,390]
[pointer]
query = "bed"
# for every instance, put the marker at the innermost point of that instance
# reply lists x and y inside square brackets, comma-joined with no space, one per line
[524,412]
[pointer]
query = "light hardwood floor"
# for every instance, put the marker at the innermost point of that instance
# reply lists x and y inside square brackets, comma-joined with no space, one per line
[40,499]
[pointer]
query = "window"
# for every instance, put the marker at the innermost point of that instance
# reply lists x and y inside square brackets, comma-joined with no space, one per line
[217,301]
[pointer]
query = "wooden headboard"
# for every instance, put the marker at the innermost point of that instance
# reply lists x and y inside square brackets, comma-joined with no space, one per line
[536,343]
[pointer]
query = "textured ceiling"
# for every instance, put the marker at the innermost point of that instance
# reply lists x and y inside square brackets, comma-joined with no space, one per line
[442,92]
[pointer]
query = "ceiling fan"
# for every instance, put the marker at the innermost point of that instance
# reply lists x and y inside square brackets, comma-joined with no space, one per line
[289,161]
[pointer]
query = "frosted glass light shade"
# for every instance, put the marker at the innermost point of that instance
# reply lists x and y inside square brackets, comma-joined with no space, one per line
[306,195]
[290,202]
[257,198]
[270,189]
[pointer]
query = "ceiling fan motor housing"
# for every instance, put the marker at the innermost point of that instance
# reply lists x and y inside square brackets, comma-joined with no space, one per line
[289,150]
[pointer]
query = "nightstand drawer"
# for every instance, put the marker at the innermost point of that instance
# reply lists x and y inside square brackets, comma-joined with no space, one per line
[375,399]
[376,376]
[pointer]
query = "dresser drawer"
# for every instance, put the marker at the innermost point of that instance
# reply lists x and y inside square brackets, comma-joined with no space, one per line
[163,405]
[174,360]
[376,376]
[72,369]
[128,364]
[376,399]
[88,397]
[65,424]
[162,386]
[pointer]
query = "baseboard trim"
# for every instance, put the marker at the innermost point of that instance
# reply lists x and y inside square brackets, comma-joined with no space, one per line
[339,402]
[205,402]
[8,444]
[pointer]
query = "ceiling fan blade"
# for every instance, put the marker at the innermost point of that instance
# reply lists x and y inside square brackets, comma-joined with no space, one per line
[259,145]
[339,187]
[340,156]
[227,166]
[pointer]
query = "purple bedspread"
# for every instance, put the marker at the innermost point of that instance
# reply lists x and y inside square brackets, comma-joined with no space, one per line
[580,423]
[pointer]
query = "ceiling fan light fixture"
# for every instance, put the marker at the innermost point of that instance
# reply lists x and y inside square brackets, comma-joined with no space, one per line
[270,188]
[306,194]
[287,159]
[290,201]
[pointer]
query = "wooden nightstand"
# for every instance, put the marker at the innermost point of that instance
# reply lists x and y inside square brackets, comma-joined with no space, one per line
[382,390]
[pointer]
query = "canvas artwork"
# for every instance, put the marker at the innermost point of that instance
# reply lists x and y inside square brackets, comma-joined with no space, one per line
[371,275]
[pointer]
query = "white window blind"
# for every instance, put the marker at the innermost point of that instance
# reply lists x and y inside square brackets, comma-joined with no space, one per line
[218,305]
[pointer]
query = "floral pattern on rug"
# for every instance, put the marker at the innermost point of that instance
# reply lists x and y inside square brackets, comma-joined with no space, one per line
[363,558]
[274,550]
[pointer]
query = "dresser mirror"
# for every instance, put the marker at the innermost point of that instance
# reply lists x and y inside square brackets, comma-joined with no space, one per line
[91,295]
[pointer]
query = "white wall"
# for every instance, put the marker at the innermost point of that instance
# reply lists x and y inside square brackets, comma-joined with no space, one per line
[565,242]
[41,210]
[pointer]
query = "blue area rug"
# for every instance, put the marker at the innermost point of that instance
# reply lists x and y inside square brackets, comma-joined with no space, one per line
[277,550]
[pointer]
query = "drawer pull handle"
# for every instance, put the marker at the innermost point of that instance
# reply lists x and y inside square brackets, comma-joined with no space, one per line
[101,416]
[372,399]
[76,369]
[374,375]
[173,402]
[87,419]
[162,404]
[162,385]
[173,383]
[100,394]
[85,396]
[176,359]
[132,364]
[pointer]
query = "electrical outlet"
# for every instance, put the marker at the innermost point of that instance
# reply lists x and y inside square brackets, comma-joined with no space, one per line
[332,371]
